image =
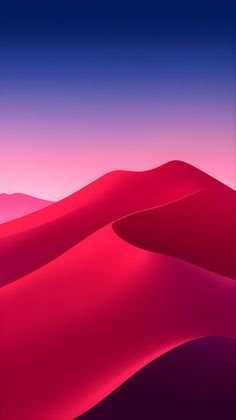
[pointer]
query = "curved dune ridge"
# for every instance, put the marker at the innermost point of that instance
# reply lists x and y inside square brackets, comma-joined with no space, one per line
[98,285]
[200,228]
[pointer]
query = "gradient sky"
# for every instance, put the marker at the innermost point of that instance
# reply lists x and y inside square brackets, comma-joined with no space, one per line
[91,86]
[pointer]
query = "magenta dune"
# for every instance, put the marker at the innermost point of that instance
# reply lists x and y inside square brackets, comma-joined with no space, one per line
[100,284]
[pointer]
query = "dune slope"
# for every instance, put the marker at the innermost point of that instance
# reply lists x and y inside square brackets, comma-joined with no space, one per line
[200,228]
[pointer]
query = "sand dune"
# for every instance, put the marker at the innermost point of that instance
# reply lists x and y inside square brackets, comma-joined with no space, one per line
[119,191]
[98,285]
[35,240]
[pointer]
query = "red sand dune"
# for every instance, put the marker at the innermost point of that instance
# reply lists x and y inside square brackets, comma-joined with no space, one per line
[118,192]
[17,205]
[91,308]
[34,240]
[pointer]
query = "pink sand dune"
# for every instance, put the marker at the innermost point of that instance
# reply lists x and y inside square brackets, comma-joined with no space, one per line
[92,290]
[36,239]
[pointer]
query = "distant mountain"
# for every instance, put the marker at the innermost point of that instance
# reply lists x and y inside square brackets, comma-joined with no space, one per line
[16,205]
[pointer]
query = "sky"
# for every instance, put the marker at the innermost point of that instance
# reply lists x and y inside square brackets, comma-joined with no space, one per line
[87,87]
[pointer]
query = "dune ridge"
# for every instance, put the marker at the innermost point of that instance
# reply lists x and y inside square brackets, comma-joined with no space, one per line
[206,239]
[158,185]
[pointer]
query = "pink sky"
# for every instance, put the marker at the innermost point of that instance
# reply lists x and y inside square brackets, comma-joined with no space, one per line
[51,156]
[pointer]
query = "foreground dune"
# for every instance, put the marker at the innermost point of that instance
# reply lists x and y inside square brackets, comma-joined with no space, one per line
[87,300]
[194,381]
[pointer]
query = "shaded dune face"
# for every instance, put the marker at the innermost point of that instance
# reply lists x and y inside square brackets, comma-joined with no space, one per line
[200,229]
[195,381]
[84,305]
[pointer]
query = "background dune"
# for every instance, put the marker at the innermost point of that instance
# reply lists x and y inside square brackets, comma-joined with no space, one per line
[36,239]
[17,205]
